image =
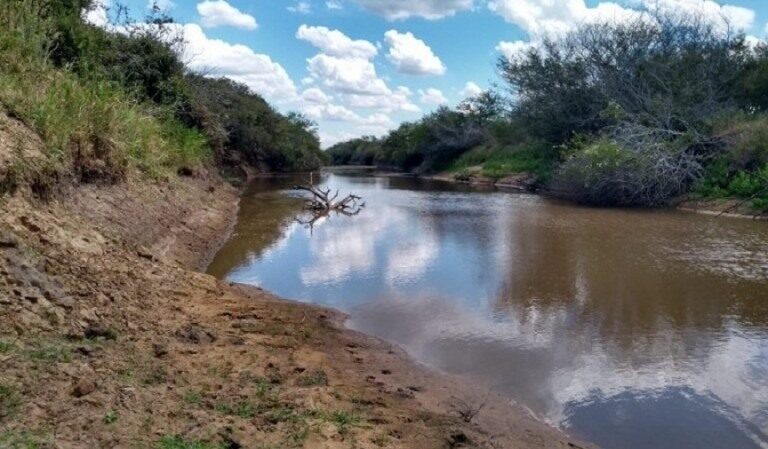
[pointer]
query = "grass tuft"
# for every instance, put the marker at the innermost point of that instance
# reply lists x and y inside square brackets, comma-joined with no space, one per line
[178,442]
[10,401]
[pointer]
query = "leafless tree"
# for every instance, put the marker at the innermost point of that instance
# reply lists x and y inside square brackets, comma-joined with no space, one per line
[325,201]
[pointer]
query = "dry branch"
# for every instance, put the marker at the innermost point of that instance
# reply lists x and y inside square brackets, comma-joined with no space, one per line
[323,202]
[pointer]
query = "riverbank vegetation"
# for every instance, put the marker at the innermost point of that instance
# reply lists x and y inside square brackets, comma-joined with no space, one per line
[107,103]
[629,114]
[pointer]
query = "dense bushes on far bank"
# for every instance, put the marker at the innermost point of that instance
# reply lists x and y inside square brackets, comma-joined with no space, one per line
[614,114]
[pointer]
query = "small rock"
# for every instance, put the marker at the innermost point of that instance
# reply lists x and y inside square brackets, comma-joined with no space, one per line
[458,439]
[403,393]
[84,387]
[252,327]
[145,253]
[96,331]
[193,333]
[160,350]
[8,241]
[386,372]
[30,224]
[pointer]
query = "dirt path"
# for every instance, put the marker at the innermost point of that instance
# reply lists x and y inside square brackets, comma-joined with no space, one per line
[109,339]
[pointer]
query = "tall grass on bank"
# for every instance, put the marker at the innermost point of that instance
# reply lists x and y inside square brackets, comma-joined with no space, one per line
[536,158]
[92,128]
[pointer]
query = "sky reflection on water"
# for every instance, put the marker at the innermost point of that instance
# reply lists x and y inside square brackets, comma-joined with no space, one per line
[634,329]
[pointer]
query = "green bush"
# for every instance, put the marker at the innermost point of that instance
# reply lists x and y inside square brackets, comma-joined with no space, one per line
[246,129]
[92,129]
[741,171]
[537,158]
[604,172]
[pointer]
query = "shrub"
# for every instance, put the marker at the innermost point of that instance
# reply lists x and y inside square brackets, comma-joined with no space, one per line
[91,128]
[606,173]
[247,129]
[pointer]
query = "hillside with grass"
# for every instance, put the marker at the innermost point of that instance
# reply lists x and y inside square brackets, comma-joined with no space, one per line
[110,104]
[640,113]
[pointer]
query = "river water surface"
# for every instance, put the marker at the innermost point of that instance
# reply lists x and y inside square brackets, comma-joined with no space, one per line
[631,329]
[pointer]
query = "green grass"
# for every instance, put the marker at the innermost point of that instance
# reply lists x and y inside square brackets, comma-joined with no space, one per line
[111,417]
[14,439]
[193,398]
[313,379]
[242,409]
[342,419]
[91,128]
[10,401]
[6,346]
[742,170]
[51,352]
[498,162]
[177,442]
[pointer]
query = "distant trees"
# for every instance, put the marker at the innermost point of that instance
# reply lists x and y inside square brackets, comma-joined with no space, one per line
[423,146]
[631,113]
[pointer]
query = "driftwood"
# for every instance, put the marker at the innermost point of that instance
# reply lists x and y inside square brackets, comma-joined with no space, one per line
[323,202]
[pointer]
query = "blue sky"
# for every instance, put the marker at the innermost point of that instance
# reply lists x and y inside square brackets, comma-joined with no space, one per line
[361,67]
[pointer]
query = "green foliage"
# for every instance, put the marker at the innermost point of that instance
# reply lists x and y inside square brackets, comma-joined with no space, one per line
[193,398]
[10,401]
[361,151]
[742,170]
[92,128]
[6,346]
[752,84]
[427,145]
[537,158]
[313,379]
[51,352]
[245,128]
[107,103]
[178,442]
[13,439]
[111,417]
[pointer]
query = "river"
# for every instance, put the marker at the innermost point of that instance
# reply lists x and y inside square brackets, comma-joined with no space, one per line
[633,329]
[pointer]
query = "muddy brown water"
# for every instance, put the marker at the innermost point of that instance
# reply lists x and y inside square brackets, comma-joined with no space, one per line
[631,329]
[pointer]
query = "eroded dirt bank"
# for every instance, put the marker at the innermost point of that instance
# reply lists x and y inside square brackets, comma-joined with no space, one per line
[109,339]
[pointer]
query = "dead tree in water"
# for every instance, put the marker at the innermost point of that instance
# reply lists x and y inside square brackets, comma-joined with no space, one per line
[323,203]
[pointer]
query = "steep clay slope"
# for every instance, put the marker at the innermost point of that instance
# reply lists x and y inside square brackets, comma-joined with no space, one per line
[108,339]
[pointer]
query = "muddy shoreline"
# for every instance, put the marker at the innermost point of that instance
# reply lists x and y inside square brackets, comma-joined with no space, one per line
[111,339]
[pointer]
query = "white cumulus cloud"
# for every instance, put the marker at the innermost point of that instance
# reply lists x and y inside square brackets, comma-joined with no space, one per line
[411,55]
[471,89]
[345,67]
[216,57]
[215,13]
[432,96]
[347,75]
[541,18]
[336,43]
[513,50]
[302,7]
[426,9]
[546,18]
[334,4]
